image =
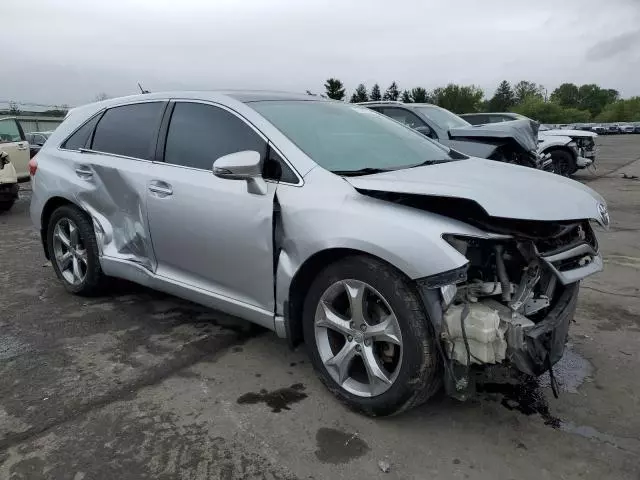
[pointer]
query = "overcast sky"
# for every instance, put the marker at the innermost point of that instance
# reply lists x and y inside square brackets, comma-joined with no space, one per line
[68,51]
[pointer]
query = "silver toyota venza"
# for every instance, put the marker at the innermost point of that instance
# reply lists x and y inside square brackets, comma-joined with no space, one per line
[400,263]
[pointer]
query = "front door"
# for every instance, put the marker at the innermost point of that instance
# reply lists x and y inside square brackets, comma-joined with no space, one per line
[207,232]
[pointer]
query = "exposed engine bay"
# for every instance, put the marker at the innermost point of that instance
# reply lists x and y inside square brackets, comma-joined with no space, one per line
[517,300]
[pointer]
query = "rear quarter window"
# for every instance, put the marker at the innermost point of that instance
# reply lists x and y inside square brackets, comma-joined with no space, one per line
[81,138]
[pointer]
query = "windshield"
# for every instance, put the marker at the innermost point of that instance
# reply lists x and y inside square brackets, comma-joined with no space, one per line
[443,118]
[343,137]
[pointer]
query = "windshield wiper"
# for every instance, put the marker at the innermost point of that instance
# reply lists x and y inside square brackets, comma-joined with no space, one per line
[362,171]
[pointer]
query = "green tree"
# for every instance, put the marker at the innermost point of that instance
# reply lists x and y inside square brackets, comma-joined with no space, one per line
[621,111]
[550,112]
[375,93]
[420,95]
[459,98]
[334,89]
[503,100]
[392,93]
[595,99]
[566,95]
[524,90]
[102,96]
[360,95]
[406,97]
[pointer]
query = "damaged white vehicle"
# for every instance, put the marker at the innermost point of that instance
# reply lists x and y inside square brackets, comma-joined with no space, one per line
[400,263]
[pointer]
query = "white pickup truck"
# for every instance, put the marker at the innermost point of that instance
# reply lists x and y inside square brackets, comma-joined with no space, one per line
[570,150]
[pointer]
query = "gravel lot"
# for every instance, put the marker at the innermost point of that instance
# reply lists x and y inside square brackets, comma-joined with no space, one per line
[141,385]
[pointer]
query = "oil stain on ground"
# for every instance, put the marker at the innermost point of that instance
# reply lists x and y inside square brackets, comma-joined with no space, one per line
[336,446]
[278,400]
[525,397]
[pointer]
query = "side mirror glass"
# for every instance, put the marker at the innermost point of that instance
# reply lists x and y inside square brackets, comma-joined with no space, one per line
[243,165]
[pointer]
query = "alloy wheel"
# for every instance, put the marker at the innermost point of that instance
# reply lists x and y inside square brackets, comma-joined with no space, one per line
[69,251]
[358,338]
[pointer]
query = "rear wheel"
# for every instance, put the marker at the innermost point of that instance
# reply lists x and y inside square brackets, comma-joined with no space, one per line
[369,338]
[73,250]
[563,163]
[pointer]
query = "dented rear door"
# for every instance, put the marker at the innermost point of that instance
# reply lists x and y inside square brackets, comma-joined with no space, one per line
[111,180]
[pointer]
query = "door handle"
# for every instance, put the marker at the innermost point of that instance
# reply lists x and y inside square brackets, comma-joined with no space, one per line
[84,172]
[21,146]
[161,189]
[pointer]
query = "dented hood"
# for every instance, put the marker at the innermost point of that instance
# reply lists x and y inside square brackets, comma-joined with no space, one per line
[502,190]
[525,132]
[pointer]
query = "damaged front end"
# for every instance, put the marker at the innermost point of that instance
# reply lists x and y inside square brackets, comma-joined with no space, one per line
[513,302]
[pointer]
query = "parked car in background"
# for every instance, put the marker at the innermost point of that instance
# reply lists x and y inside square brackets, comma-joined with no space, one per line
[36,141]
[626,128]
[636,127]
[513,143]
[325,222]
[13,141]
[569,149]
[8,182]
[612,129]
[599,129]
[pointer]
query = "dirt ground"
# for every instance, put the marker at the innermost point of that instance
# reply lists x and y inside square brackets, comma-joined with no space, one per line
[141,385]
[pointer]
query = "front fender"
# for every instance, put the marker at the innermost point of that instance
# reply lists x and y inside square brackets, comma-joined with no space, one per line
[547,142]
[407,238]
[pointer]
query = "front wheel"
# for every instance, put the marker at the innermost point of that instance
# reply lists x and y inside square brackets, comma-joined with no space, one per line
[369,338]
[563,163]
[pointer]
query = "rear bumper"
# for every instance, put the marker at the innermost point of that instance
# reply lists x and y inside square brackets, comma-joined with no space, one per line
[8,191]
[538,347]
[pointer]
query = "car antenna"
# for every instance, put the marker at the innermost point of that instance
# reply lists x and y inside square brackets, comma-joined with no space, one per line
[142,90]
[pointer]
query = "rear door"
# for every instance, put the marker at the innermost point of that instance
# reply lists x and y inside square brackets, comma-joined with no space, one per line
[111,176]
[12,141]
[207,232]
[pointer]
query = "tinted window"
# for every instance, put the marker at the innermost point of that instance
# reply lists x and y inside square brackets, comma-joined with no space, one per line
[129,130]
[9,131]
[199,134]
[403,116]
[339,136]
[81,137]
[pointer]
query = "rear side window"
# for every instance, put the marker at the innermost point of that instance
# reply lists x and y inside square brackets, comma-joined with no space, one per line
[82,137]
[199,134]
[130,130]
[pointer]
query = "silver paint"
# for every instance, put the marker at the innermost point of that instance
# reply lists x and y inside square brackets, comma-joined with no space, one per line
[208,239]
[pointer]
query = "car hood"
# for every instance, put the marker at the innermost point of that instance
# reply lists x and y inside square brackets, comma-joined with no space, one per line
[567,133]
[524,132]
[502,190]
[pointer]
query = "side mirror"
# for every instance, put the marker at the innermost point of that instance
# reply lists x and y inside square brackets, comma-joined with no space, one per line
[425,130]
[245,166]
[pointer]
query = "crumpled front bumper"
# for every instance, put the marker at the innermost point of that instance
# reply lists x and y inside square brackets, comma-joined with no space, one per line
[535,349]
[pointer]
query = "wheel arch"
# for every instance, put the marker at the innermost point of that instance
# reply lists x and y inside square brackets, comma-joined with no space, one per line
[302,280]
[49,207]
[563,148]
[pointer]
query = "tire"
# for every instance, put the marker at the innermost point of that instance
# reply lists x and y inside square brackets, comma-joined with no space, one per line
[93,281]
[6,205]
[563,163]
[417,373]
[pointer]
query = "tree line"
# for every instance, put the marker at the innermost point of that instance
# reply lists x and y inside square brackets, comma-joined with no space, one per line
[569,103]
